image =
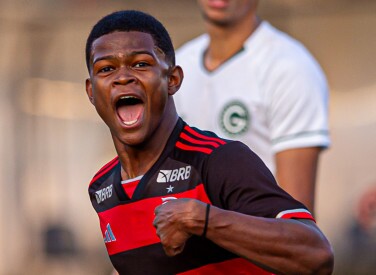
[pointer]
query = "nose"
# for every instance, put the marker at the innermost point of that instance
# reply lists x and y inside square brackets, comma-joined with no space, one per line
[124,76]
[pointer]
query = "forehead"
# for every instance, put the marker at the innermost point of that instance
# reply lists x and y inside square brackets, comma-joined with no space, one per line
[123,42]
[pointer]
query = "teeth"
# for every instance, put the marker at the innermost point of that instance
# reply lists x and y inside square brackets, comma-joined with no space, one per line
[128,123]
[127,97]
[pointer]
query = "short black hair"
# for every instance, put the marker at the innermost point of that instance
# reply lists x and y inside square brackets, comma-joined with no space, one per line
[132,20]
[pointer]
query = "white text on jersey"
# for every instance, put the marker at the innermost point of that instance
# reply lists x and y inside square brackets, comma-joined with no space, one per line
[181,173]
[103,194]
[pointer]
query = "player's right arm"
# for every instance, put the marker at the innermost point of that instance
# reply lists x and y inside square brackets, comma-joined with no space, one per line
[282,246]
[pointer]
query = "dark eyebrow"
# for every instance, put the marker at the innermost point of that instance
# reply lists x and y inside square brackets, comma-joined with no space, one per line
[134,53]
[142,52]
[103,58]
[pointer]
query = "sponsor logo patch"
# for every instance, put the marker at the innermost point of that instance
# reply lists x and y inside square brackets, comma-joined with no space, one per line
[103,194]
[181,173]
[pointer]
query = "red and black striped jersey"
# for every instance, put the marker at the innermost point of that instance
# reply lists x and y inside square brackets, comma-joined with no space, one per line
[194,164]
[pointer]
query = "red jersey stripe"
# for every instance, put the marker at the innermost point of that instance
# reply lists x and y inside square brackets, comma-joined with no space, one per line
[193,132]
[233,266]
[196,141]
[103,170]
[125,221]
[193,148]
[301,215]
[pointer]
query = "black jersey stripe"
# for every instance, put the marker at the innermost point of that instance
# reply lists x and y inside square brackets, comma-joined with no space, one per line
[231,266]
[197,252]
[200,257]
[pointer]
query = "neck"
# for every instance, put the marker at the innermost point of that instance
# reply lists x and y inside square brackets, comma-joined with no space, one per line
[226,41]
[136,160]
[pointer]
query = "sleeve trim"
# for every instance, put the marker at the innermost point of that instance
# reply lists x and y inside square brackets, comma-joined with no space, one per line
[299,213]
[301,134]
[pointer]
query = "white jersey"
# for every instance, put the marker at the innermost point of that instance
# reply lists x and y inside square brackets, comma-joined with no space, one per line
[272,95]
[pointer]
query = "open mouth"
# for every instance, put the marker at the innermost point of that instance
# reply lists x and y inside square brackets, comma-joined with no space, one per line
[129,109]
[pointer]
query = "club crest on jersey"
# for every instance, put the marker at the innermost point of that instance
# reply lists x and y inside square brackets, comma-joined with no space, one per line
[181,173]
[103,194]
[234,118]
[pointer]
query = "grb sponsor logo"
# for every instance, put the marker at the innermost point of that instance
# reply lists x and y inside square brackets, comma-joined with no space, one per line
[181,173]
[103,194]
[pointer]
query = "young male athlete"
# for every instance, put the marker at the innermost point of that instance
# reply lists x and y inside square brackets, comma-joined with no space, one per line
[248,81]
[176,199]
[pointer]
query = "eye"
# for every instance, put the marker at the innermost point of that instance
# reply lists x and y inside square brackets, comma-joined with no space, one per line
[106,69]
[141,64]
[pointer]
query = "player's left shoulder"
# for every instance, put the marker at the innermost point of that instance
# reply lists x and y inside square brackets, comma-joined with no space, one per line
[201,141]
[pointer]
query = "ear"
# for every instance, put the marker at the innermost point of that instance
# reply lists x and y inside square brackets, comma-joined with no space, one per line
[175,79]
[89,90]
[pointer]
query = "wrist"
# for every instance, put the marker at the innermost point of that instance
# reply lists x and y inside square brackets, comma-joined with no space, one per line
[194,222]
[206,222]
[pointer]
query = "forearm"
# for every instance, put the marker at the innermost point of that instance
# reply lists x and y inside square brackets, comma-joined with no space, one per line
[278,245]
[281,246]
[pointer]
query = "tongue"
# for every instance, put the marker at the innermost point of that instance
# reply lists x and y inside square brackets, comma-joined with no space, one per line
[129,114]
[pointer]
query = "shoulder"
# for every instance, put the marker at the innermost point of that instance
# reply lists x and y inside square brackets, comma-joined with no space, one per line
[284,65]
[281,50]
[192,48]
[108,167]
[278,40]
[237,156]
[196,140]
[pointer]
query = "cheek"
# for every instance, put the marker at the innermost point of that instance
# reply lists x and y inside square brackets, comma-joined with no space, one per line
[100,98]
[158,88]
[100,90]
[159,98]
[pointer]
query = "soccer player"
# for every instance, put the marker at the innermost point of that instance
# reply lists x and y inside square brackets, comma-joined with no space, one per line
[248,81]
[177,199]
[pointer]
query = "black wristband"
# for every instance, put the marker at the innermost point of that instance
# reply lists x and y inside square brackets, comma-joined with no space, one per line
[206,220]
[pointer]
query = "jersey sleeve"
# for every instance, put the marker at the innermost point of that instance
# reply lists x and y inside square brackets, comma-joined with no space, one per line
[298,106]
[238,180]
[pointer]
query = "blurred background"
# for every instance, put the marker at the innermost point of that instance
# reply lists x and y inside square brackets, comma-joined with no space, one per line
[52,141]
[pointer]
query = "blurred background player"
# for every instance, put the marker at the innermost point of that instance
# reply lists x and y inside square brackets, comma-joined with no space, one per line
[246,80]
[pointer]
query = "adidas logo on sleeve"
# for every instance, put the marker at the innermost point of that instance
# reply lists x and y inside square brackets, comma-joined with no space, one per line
[109,235]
